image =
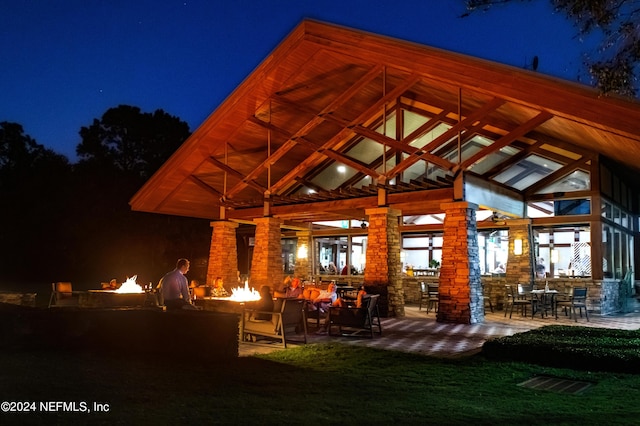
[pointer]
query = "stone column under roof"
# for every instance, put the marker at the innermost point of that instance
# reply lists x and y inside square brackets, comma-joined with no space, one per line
[460,288]
[519,267]
[303,263]
[266,265]
[382,272]
[223,254]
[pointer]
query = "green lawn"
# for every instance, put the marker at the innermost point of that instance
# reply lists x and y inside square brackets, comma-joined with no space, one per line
[315,384]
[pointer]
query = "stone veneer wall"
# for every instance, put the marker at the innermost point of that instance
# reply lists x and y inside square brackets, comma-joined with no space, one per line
[223,254]
[383,270]
[303,265]
[460,286]
[519,268]
[266,266]
[22,299]
[604,297]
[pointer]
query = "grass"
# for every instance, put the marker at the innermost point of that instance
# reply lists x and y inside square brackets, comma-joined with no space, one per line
[313,384]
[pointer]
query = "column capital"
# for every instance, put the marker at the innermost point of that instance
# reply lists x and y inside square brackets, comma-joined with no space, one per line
[459,205]
[267,220]
[518,222]
[224,223]
[383,210]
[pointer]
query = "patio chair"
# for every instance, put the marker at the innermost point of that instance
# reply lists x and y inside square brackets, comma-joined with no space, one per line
[433,297]
[486,300]
[62,295]
[577,299]
[284,322]
[516,299]
[424,295]
[351,321]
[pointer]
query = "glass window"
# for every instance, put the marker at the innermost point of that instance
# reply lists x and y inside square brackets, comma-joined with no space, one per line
[527,172]
[572,207]
[576,181]
[492,160]
[289,255]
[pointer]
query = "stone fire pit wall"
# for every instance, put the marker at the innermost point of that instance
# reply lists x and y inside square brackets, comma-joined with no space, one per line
[128,332]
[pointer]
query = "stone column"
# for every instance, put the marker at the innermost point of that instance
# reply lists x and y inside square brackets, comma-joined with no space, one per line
[223,254]
[519,267]
[460,289]
[382,273]
[266,265]
[303,264]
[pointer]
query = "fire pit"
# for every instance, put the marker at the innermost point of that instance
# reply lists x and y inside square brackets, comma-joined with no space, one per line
[233,304]
[128,295]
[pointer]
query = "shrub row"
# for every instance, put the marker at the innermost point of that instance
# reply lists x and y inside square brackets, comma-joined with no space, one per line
[581,348]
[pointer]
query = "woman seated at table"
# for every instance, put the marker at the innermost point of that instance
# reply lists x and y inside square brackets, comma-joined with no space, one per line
[218,289]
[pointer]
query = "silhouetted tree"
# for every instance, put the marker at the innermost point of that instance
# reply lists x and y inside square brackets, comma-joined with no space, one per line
[117,154]
[131,141]
[616,69]
[35,188]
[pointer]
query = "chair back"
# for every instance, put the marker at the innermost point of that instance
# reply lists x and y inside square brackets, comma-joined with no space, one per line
[579,294]
[63,287]
[371,304]
[433,289]
[511,293]
[200,292]
[292,312]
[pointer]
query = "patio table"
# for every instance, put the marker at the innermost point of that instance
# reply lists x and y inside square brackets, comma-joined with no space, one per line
[546,300]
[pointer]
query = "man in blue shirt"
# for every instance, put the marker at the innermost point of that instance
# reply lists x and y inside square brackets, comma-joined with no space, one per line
[175,287]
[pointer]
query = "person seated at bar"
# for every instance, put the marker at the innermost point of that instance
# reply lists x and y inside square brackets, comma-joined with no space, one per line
[218,289]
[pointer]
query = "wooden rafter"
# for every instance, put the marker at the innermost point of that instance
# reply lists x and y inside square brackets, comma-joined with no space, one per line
[305,129]
[203,185]
[492,105]
[344,133]
[355,164]
[552,177]
[516,133]
[236,174]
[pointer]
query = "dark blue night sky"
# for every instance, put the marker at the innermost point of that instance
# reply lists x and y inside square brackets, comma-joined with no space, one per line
[66,62]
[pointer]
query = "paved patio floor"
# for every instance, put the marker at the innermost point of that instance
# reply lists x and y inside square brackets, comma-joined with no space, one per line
[418,332]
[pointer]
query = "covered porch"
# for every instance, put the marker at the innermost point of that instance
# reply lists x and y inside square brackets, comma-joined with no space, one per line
[351,152]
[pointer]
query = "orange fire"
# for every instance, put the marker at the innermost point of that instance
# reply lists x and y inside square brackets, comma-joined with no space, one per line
[130,286]
[245,294]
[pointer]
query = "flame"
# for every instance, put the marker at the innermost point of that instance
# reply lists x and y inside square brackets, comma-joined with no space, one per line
[130,286]
[245,294]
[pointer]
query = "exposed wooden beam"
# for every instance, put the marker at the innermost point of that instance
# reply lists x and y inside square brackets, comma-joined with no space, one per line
[469,121]
[204,186]
[516,133]
[558,174]
[344,133]
[236,174]
[359,166]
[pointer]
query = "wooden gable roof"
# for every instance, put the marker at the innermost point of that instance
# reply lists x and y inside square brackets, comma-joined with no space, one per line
[325,89]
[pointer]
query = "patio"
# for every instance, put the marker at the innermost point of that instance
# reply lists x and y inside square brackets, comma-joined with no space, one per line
[419,333]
